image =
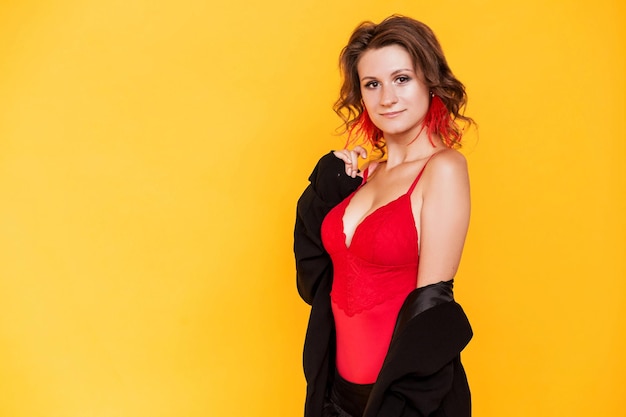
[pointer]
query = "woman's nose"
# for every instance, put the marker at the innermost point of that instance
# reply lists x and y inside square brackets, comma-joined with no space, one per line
[389,96]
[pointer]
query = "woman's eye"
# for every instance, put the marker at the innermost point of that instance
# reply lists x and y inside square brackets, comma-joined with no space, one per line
[402,79]
[372,84]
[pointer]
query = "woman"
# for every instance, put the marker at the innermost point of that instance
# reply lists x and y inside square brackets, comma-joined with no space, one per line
[384,336]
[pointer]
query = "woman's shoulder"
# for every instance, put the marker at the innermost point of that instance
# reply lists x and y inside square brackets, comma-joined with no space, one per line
[449,156]
[447,161]
[446,168]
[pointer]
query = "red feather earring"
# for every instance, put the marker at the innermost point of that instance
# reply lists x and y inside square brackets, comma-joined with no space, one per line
[438,122]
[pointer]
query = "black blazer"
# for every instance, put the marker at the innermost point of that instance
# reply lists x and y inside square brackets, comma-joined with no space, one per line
[422,373]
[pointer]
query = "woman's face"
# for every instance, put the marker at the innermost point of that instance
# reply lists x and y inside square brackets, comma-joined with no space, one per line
[394,95]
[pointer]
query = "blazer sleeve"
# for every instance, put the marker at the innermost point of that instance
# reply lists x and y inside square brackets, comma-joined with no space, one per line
[328,186]
[418,396]
[422,373]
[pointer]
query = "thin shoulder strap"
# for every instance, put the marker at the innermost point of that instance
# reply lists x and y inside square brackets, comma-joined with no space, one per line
[420,174]
[366,172]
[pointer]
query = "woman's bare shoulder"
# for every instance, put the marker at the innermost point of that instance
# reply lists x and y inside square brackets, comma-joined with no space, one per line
[448,161]
[447,168]
[449,156]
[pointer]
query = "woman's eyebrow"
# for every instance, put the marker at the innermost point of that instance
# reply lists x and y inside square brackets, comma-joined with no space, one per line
[367,77]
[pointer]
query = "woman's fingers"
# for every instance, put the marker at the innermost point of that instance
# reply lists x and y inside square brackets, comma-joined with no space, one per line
[351,158]
[355,153]
[360,151]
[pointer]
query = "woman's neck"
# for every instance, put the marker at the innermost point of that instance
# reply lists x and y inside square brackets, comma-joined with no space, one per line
[401,151]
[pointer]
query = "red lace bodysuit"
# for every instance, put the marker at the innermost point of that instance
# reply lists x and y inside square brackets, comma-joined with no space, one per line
[372,278]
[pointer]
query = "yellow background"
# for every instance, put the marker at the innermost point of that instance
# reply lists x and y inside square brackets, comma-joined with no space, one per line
[151,154]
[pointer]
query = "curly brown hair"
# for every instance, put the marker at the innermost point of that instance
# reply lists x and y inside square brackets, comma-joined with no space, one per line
[427,55]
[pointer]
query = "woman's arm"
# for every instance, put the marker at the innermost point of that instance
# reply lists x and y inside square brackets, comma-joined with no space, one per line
[444,217]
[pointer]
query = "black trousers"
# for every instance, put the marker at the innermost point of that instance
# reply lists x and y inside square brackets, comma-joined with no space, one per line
[346,399]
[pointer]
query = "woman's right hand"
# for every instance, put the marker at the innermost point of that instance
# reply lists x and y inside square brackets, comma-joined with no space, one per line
[351,158]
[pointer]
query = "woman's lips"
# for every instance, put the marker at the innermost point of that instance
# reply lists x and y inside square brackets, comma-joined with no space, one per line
[391,114]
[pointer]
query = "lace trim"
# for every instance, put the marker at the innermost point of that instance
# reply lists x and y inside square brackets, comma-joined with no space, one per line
[357,292]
